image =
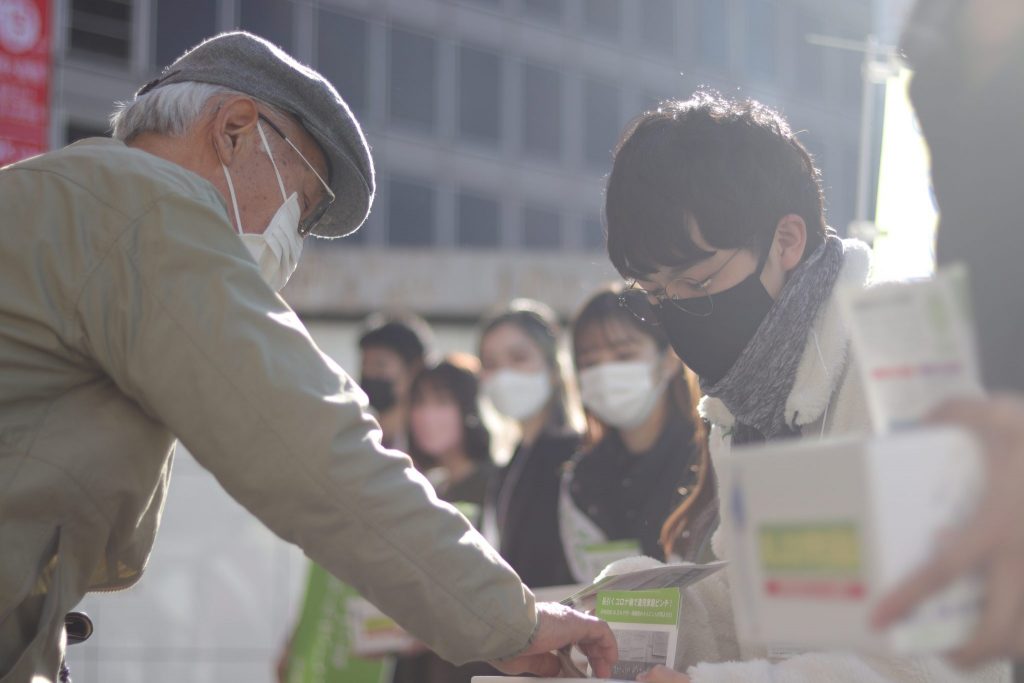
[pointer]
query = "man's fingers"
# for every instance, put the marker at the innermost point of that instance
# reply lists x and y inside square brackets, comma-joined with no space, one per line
[544,664]
[601,656]
[1001,618]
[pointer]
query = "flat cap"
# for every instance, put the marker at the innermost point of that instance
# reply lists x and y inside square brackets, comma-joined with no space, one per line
[251,65]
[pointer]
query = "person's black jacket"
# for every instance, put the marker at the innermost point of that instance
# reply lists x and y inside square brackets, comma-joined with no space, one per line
[524,494]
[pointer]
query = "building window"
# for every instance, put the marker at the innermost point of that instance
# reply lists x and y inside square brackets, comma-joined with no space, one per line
[593,234]
[761,44]
[412,75]
[603,17]
[550,10]
[479,221]
[542,111]
[601,122]
[180,25]
[270,19]
[78,130]
[713,33]
[479,95]
[411,215]
[810,58]
[102,28]
[342,56]
[658,26]
[542,228]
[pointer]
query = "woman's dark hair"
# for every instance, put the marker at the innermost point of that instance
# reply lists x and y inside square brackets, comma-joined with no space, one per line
[540,324]
[457,377]
[732,167]
[405,334]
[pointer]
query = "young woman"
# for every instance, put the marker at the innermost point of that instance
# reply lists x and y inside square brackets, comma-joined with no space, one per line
[447,438]
[523,377]
[642,483]
[448,441]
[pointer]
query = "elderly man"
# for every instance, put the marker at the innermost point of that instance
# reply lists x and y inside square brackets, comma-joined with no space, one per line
[137,306]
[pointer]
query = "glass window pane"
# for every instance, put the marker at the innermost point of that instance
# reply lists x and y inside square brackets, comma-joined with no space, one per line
[270,19]
[761,44]
[410,213]
[551,10]
[102,27]
[479,95]
[182,24]
[603,17]
[479,222]
[658,25]
[412,73]
[601,122]
[542,228]
[77,130]
[810,59]
[542,111]
[713,33]
[593,234]
[342,56]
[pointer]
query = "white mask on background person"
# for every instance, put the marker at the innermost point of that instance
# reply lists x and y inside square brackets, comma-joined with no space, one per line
[436,429]
[622,394]
[518,395]
[277,249]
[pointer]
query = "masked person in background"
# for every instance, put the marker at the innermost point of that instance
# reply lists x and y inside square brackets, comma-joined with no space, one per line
[715,215]
[450,442]
[393,350]
[645,454]
[138,307]
[524,377]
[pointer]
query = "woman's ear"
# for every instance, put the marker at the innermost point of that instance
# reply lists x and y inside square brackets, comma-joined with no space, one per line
[233,122]
[790,241]
[670,364]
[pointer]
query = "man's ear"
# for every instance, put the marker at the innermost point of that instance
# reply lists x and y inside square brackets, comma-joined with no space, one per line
[790,241]
[233,120]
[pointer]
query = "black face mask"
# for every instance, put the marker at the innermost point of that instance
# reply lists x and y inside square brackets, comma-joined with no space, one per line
[381,393]
[710,344]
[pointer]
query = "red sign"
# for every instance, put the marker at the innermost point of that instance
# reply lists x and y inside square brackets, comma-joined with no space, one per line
[24,78]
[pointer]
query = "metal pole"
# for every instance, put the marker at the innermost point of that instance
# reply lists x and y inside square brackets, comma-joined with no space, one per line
[867,111]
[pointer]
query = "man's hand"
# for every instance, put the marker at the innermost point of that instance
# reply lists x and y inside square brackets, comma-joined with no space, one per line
[558,626]
[992,542]
[662,674]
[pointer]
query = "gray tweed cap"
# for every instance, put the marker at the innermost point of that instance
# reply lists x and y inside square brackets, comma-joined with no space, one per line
[251,65]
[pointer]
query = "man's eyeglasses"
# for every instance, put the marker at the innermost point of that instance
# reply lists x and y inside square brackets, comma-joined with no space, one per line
[688,296]
[309,223]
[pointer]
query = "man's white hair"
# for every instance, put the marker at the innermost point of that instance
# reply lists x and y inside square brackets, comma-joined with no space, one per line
[168,110]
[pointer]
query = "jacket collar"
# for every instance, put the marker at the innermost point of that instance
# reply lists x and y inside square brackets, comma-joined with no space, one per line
[825,355]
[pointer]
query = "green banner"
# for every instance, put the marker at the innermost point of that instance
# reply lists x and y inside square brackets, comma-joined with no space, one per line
[320,650]
[639,607]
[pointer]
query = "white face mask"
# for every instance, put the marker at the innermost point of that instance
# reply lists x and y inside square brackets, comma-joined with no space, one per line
[277,250]
[622,395]
[518,395]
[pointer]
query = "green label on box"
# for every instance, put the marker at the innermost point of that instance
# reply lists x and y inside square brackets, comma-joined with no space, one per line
[822,549]
[639,607]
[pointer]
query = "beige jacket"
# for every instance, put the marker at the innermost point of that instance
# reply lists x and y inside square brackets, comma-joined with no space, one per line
[827,400]
[131,315]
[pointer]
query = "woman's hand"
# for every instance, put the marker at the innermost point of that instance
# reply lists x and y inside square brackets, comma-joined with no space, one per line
[662,674]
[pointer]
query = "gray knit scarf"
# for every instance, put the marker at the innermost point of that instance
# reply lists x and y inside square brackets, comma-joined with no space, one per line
[757,386]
